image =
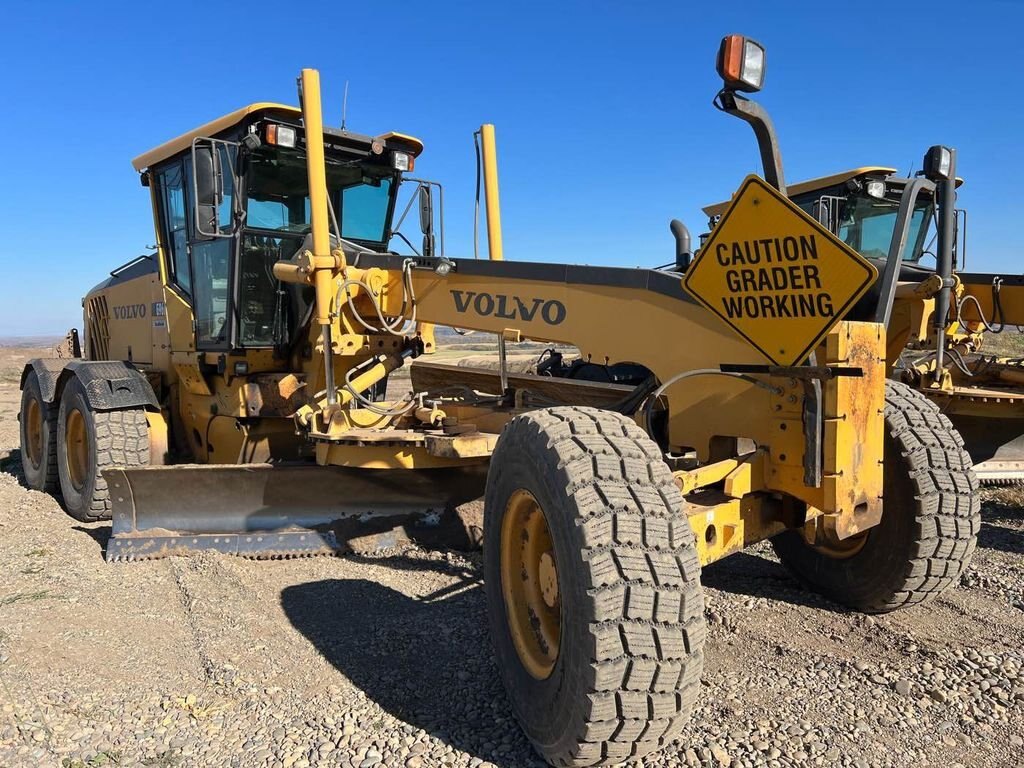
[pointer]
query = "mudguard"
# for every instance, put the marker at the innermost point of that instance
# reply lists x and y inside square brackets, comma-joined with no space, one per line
[48,370]
[109,384]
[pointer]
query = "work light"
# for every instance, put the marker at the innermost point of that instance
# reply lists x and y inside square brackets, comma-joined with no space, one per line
[281,135]
[938,163]
[875,188]
[401,161]
[741,63]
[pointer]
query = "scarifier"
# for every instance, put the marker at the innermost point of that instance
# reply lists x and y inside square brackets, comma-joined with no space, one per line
[232,394]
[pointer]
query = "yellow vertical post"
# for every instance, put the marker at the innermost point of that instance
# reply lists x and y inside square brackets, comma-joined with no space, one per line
[313,122]
[316,174]
[489,151]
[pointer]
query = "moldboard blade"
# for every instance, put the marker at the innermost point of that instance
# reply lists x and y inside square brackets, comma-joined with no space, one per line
[276,511]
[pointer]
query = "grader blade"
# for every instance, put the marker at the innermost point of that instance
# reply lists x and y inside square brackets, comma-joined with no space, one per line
[995,444]
[276,511]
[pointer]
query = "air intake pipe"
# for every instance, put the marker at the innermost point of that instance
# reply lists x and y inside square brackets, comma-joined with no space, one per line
[684,253]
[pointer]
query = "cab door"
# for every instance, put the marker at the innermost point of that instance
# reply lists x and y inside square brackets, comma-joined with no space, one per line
[198,258]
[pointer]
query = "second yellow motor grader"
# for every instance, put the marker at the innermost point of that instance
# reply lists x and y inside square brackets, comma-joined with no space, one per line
[231,395]
[941,315]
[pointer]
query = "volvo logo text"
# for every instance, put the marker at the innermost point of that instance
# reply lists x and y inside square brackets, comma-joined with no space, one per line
[550,311]
[129,311]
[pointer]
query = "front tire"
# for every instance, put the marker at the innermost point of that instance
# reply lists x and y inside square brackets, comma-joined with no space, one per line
[930,518]
[89,441]
[38,432]
[593,586]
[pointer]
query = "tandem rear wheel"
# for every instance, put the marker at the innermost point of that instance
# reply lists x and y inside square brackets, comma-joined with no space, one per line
[88,441]
[38,433]
[930,518]
[592,580]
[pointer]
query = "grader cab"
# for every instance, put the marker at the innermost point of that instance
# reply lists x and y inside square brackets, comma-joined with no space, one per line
[233,395]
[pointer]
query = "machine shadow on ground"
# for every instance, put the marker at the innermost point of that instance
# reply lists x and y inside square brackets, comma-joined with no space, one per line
[426,661]
[748,574]
[98,533]
[994,535]
[10,464]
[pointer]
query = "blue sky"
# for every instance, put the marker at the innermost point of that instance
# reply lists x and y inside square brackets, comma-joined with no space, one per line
[604,123]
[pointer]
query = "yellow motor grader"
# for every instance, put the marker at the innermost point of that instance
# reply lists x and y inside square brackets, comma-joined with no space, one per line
[232,395]
[940,315]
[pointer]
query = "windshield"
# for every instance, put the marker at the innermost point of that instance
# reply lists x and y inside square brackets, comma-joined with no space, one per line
[278,194]
[866,224]
[270,313]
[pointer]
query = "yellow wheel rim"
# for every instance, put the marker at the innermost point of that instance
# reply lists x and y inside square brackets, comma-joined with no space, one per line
[34,432]
[76,448]
[529,584]
[841,550]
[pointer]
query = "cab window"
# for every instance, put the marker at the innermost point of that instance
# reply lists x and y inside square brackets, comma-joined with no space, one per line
[277,195]
[364,210]
[199,266]
[868,225]
[211,264]
[171,183]
[211,261]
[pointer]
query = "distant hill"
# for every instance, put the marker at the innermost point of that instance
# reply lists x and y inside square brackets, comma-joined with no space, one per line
[444,333]
[30,341]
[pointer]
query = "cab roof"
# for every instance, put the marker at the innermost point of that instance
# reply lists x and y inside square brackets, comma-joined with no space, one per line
[806,186]
[820,183]
[183,142]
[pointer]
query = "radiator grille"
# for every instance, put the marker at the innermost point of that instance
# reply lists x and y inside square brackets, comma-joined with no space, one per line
[97,341]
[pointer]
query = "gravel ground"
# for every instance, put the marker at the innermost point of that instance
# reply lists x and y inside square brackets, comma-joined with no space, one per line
[363,661]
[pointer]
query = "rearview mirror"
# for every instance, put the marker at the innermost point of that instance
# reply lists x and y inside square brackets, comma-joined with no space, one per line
[212,185]
[427,219]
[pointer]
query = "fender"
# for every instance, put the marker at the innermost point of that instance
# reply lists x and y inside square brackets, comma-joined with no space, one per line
[108,384]
[48,370]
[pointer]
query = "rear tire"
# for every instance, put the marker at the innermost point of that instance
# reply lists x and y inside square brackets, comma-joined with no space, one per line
[603,662]
[38,431]
[88,442]
[930,518]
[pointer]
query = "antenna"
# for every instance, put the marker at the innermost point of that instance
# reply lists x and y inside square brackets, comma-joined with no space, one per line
[344,106]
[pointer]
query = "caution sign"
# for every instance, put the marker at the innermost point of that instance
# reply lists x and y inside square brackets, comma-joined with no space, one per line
[774,274]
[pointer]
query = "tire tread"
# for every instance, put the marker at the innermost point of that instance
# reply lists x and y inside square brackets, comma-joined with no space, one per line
[948,510]
[122,440]
[51,483]
[930,518]
[644,595]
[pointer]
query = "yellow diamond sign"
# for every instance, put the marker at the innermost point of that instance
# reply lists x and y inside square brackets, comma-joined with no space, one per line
[774,274]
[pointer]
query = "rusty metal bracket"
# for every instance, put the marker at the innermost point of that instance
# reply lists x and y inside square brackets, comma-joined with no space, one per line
[810,377]
[812,432]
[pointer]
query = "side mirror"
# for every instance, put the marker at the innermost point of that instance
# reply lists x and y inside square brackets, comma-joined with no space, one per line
[427,219]
[209,186]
